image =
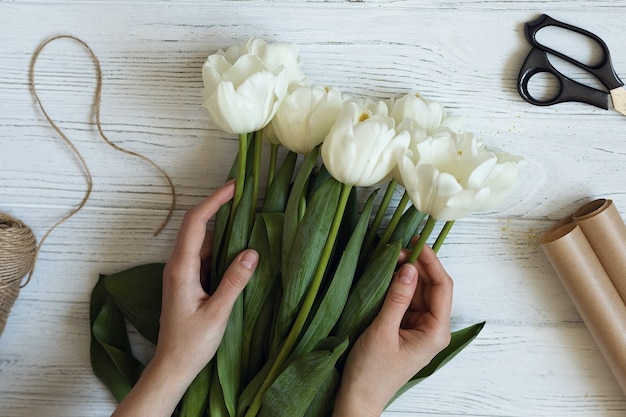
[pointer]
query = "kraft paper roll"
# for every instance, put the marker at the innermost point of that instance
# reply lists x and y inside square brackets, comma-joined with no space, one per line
[591,290]
[606,233]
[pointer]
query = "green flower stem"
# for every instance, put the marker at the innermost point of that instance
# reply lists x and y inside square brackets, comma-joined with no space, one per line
[256,172]
[393,223]
[307,304]
[382,209]
[424,235]
[241,174]
[442,235]
[271,171]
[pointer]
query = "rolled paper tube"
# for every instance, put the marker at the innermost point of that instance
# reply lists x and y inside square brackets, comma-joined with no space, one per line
[606,232]
[592,292]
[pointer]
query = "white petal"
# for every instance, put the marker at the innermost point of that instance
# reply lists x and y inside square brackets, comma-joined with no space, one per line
[477,178]
[279,54]
[269,135]
[244,67]
[502,178]
[212,71]
[249,107]
[218,110]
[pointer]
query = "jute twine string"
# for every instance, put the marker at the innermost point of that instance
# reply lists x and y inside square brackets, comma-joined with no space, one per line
[18,247]
[96,105]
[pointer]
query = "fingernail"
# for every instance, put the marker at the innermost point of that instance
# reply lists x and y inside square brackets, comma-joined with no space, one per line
[249,259]
[407,274]
[231,181]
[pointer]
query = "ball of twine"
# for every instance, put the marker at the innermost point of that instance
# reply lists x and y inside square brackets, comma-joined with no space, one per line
[18,248]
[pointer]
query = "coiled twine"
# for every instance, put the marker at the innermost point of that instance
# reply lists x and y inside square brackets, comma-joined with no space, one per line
[18,249]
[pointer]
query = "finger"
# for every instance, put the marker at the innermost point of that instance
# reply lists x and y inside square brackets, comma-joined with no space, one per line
[193,229]
[441,286]
[235,279]
[398,298]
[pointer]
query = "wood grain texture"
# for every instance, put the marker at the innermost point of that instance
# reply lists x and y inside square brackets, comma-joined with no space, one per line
[534,358]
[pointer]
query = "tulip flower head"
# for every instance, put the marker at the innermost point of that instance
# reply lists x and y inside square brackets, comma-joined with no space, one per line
[362,147]
[416,134]
[278,54]
[306,116]
[269,134]
[452,175]
[244,85]
[428,114]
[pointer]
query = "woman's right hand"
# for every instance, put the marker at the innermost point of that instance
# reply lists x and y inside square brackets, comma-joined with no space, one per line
[412,327]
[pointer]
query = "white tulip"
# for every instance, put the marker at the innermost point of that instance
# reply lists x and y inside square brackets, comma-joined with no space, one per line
[502,178]
[277,54]
[453,175]
[306,116]
[429,114]
[417,134]
[244,85]
[362,147]
[269,134]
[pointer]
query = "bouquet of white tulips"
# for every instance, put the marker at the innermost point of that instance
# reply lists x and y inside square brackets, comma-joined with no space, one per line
[326,259]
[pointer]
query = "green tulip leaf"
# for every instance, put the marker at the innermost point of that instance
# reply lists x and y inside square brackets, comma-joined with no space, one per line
[318,178]
[262,284]
[458,341]
[250,391]
[308,243]
[337,292]
[229,353]
[292,214]
[217,406]
[351,214]
[368,293]
[274,223]
[258,288]
[296,387]
[228,358]
[408,225]
[323,403]
[220,224]
[112,360]
[137,293]
[240,234]
[195,400]
[277,194]
[262,334]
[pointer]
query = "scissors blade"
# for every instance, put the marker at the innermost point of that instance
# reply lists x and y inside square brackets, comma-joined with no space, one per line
[618,96]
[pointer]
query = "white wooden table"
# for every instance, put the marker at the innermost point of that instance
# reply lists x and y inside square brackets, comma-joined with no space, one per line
[535,357]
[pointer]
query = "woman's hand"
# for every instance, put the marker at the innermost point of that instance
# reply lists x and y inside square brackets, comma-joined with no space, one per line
[192,322]
[412,327]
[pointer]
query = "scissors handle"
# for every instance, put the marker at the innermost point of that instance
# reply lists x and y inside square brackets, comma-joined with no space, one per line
[569,90]
[603,70]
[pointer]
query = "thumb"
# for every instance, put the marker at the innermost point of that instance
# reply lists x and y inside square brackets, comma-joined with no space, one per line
[235,278]
[399,297]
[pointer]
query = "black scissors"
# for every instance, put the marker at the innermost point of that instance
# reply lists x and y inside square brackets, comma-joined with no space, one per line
[569,90]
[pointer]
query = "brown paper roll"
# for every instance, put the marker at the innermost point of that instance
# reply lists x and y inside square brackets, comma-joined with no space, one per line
[592,292]
[606,233]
